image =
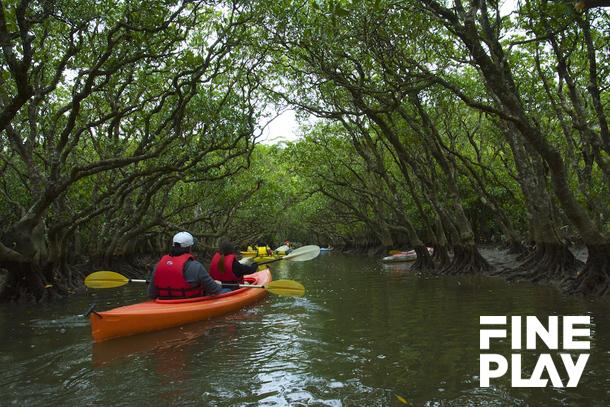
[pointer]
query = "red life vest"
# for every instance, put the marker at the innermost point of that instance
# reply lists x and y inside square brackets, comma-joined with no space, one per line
[169,278]
[224,271]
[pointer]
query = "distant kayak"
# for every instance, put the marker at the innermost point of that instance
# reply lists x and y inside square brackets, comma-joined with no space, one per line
[410,255]
[400,257]
[258,259]
[326,249]
[158,314]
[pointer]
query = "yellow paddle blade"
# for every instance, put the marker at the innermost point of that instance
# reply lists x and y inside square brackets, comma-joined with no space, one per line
[286,287]
[105,279]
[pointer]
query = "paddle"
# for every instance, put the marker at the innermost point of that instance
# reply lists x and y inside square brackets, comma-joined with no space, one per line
[301,254]
[279,287]
[283,248]
[110,279]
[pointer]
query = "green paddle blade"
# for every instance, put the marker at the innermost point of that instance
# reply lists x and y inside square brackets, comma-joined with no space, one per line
[286,287]
[303,253]
[105,279]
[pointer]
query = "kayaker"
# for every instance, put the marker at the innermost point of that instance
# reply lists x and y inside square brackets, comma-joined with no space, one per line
[261,251]
[179,275]
[225,267]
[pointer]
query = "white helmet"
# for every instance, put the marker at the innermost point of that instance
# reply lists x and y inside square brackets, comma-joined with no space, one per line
[183,239]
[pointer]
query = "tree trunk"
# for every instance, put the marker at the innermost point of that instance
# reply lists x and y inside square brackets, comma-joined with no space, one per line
[496,71]
[593,279]
[551,258]
[27,283]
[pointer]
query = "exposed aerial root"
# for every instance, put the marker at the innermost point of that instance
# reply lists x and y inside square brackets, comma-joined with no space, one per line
[441,257]
[549,262]
[515,247]
[466,260]
[424,261]
[593,279]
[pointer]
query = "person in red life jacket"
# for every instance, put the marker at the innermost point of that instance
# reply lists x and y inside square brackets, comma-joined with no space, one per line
[179,275]
[225,267]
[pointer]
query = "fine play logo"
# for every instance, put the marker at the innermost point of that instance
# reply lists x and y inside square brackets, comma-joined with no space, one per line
[535,333]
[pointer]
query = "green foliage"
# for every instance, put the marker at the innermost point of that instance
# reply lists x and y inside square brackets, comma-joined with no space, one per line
[130,125]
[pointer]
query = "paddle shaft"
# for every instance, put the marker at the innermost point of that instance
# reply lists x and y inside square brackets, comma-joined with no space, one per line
[244,285]
[270,261]
[287,257]
[134,280]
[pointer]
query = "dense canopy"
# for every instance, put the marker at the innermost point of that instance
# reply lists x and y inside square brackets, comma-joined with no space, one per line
[442,124]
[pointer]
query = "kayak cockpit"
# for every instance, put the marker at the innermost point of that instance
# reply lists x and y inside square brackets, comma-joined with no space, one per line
[247,280]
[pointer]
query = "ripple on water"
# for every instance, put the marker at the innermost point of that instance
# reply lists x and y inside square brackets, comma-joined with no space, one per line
[363,334]
[67,367]
[70,321]
[302,305]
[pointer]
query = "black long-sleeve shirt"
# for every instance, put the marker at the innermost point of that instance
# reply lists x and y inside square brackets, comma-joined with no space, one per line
[241,270]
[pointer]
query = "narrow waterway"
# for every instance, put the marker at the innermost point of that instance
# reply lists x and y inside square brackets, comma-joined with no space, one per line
[365,334]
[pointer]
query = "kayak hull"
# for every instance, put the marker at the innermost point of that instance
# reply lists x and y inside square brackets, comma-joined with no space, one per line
[156,315]
[397,258]
[259,259]
[404,256]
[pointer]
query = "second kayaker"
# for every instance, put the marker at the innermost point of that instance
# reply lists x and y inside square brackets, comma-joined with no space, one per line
[179,275]
[226,268]
[263,250]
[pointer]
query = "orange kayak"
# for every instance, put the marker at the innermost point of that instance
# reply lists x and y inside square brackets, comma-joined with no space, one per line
[161,314]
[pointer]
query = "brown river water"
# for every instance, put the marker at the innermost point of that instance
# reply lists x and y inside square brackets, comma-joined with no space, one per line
[365,334]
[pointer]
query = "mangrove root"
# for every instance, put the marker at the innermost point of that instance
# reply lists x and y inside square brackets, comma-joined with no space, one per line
[549,262]
[466,260]
[593,279]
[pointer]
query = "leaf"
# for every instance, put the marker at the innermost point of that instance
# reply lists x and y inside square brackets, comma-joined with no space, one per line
[402,399]
[341,12]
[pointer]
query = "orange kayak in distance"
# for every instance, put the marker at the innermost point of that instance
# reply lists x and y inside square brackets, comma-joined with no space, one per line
[157,314]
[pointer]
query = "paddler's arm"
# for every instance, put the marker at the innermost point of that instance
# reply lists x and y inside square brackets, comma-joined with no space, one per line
[196,274]
[241,270]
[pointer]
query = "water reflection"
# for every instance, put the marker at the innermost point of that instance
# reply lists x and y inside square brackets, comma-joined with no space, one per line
[364,334]
[169,341]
